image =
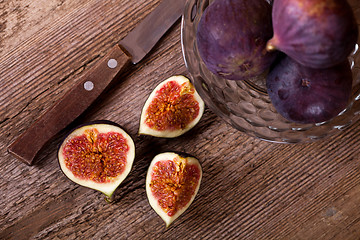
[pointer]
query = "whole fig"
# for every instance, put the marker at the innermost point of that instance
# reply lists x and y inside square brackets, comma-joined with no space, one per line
[232,37]
[315,33]
[307,95]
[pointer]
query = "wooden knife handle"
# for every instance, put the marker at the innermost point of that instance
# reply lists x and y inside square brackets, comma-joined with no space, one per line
[68,108]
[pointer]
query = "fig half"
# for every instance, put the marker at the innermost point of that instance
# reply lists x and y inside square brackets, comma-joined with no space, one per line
[172,183]
[97,155]
[173,108]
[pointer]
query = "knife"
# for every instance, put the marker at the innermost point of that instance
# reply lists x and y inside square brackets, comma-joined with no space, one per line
[132,49]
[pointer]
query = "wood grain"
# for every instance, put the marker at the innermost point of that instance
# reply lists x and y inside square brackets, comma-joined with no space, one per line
[70,106]
[251,189]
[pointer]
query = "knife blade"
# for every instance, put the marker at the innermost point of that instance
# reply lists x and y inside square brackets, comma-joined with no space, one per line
[131,49]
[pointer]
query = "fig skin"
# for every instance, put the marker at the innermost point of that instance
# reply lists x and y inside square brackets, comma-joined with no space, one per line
[184,158]
[171,110]
[102,126]
[306,95]
[315,33]
[232,37]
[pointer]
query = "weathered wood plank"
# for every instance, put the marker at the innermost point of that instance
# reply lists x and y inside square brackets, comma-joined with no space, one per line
[251,189]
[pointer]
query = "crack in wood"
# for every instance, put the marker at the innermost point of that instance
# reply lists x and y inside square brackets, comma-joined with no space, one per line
[44,216]
[79,70]
[25,107]
[4,120]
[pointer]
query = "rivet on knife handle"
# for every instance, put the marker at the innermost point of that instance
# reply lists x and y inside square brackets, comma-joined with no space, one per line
[75,101]
[136,44]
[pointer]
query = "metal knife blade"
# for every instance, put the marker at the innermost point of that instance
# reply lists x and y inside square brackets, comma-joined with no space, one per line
[132,48]
[144,37]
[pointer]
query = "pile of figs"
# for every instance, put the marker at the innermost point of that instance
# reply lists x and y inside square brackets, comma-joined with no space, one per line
[302,46]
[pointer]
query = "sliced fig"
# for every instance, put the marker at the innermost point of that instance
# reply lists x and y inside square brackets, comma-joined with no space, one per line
[172,183]
[173,108]
[315,33]
[98,155]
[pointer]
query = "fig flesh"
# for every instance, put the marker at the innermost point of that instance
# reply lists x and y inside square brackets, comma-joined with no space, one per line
[173,108]
[172,183]
[307,95]
[98,155]
[232,36]
[315,33]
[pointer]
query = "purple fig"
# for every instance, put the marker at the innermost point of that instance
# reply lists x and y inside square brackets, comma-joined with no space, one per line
[307,95]
[232,37]
[315,33]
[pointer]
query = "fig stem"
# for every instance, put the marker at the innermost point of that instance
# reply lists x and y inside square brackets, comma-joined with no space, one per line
[270,47]
[109,199]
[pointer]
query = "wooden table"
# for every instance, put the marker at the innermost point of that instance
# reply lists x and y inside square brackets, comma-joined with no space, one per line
[251,189]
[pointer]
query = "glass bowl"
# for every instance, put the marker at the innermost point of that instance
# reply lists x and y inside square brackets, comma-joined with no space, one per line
[245,105]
